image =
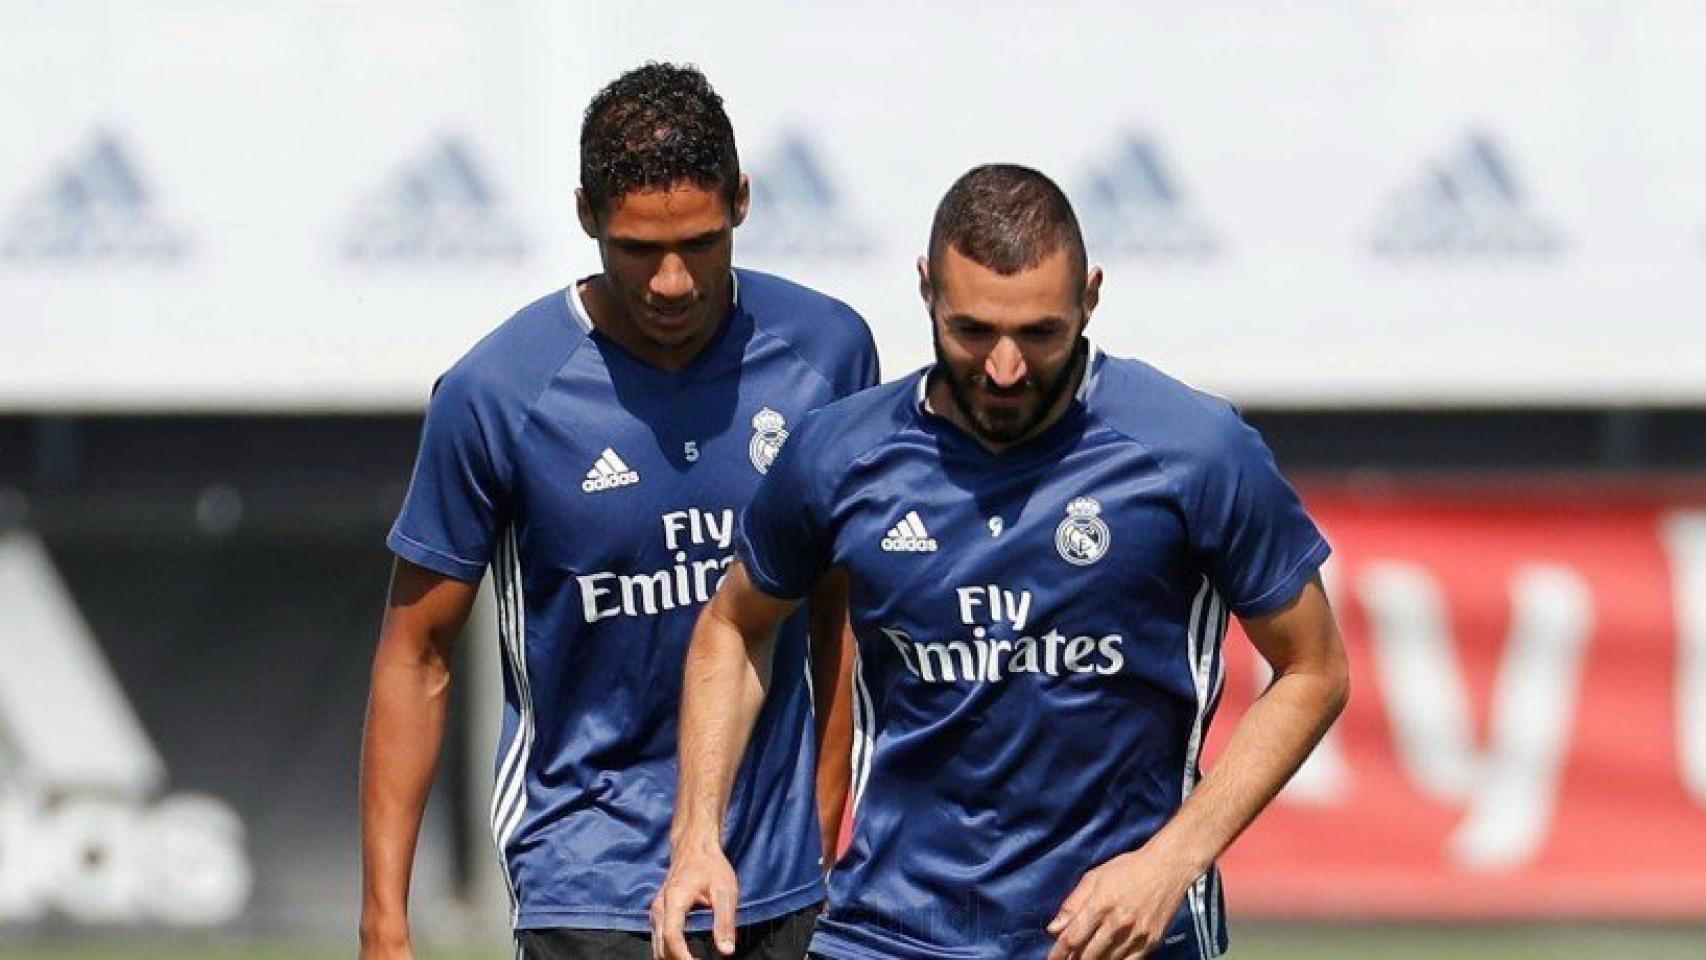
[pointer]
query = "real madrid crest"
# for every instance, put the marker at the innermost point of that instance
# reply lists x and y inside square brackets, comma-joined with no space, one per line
[1082,538]
[769,432]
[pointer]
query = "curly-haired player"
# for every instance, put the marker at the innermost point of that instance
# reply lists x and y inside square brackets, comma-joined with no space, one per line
[595,452]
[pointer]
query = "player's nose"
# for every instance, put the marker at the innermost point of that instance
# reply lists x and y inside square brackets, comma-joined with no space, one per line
[1005,365]
[671,281]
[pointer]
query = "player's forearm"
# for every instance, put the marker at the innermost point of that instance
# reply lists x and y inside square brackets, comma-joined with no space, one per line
[834,761]
[1267,746]
[723,689]
[400,748]
[832,687]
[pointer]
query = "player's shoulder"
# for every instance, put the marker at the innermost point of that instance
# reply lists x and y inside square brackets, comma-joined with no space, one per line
[819,327]
[515,360]
[786,308]
[1171,418]
[842,430]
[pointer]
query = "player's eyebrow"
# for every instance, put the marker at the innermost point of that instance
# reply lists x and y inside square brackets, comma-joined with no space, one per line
[1040,325]
[966,320]
[638,245]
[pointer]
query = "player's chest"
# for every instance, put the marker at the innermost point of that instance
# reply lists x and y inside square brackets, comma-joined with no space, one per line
[1088,529]
[616,486]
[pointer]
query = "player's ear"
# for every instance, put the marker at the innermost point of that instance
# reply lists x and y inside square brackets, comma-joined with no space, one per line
[1092,292]
[925,290]
[743,200]
[583,209]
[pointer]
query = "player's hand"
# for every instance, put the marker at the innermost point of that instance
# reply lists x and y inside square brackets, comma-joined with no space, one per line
[699,876]
[1121,908]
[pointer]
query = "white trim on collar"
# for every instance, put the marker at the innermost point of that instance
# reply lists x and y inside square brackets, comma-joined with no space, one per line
[577,306]
[1092,353]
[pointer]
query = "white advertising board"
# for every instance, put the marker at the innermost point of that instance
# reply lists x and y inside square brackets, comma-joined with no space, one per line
[321,205]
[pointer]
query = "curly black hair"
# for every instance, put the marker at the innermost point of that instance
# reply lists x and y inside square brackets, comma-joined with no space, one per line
[655,126]
[1007,218]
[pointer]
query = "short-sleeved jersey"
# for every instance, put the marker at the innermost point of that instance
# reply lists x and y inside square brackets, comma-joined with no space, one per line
[1039,638]
[605,495]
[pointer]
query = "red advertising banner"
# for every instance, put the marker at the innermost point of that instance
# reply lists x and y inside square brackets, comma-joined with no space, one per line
[1527,728]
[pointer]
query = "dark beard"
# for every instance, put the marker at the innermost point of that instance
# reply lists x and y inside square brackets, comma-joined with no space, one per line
[1050,392]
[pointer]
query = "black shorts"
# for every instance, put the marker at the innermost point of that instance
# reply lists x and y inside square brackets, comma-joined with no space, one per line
[783,938]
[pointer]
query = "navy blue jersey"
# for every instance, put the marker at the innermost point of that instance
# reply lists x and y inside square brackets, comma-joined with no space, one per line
[1038,643]
[604,493]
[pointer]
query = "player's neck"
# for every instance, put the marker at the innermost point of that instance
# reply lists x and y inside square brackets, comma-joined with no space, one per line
[939,399]
[609,317]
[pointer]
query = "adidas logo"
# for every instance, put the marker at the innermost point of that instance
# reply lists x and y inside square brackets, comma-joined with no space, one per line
[1132,206]
[441,207]
[796,209]
[90,834]
[95,208]
[608,473]
[1468,205]
[909,536]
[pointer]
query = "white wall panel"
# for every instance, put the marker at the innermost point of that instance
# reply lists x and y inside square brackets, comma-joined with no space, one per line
[1344,203]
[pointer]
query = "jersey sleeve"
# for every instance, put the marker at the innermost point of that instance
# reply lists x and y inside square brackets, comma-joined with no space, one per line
[785,542]
[1249,530]
[458,498]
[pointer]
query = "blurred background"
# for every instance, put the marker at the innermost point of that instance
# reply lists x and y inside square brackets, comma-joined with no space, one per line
[1449,256]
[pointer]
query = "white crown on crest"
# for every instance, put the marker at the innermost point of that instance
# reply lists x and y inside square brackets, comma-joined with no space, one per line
[767,421]
[1083,507]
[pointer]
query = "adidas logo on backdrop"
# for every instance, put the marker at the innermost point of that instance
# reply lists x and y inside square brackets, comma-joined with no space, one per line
[609,473]
[88,834]
[440,207]
[797,210]
[1131,205]
[909,536]
[95,208]
[1469,205]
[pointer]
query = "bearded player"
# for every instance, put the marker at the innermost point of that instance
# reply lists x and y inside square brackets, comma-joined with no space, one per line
[1044,544]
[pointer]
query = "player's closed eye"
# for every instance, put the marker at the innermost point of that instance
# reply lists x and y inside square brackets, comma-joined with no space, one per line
[702,243]
[970,329]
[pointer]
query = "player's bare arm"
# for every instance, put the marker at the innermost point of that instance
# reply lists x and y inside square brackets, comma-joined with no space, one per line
[1122,907]
[832,686]
[400,748]
[727,673]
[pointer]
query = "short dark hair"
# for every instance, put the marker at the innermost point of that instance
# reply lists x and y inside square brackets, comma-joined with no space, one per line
[653,127]
[1007,218]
